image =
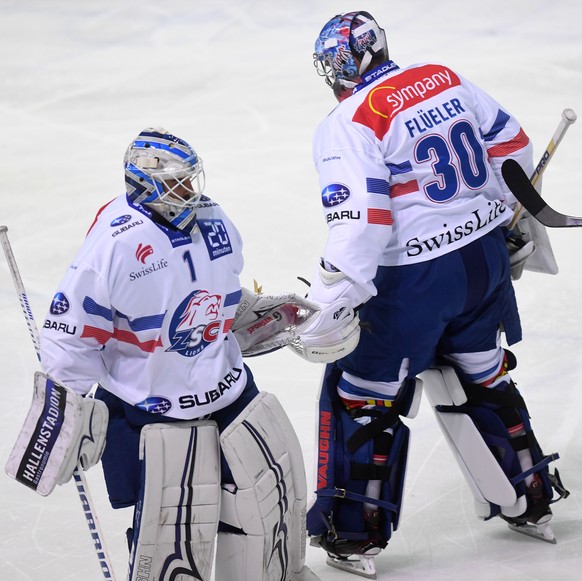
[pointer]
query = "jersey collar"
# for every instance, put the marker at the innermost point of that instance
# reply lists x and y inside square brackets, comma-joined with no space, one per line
[376,73]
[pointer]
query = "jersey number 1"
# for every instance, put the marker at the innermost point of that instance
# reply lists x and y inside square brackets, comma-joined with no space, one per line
[188,260]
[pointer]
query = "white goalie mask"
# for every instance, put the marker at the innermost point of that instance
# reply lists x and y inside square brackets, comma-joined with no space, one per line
[164,173]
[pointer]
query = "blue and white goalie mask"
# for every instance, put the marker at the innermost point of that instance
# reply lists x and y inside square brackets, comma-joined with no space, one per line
[346,47]
[163,173]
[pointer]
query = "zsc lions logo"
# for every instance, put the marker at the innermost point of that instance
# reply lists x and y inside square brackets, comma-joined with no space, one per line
[155,405]
[121,220]
[195,324]
[60,304]
[334,194]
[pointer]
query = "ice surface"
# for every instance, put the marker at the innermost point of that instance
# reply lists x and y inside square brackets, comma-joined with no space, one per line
[78,80]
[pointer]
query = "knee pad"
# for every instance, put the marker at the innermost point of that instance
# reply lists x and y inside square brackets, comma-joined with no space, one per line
[346,451]
[176,516]
[262,529]
[476,422]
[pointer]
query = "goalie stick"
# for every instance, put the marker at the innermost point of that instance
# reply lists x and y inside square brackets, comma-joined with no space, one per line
[523,189]
[568,118]
[78,474]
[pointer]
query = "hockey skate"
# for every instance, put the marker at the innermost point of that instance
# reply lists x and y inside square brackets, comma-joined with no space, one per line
[534,522]
[354,556]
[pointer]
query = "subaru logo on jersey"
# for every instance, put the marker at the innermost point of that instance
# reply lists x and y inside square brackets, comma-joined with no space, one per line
[60,304]
[334,194]
[120,220]
[195,324]
[155,405]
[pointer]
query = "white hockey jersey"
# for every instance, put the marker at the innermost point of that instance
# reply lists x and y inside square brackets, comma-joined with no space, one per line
[145,311]
[410,169]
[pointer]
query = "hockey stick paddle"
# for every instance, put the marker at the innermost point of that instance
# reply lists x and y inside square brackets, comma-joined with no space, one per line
[568,118]
[524,190]
[78,475]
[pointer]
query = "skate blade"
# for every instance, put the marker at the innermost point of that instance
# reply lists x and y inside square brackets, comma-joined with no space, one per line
[542,532]
[362,566]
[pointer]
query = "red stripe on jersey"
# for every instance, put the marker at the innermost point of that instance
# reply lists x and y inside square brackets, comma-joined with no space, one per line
[131,338]
[503,149]
[97,216]
[102,336]
[376,216]
[401,92]
[228,324]
[403,189]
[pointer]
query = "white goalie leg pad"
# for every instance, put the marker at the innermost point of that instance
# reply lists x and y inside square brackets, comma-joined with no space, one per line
[179,505]
[265,510]
[61,429]
[485,477]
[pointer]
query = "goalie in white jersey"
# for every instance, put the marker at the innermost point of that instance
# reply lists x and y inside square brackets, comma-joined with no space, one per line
[409,167]
[146,311]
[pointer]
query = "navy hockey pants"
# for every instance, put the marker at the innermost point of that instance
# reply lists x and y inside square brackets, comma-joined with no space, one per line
[455,303]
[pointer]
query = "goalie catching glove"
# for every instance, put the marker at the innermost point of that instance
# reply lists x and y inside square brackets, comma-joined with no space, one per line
[265,323]
[334,331]
[61,430]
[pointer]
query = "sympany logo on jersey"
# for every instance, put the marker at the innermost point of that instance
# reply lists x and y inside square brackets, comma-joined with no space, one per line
[195,323]
[403,92]
[334,194]
[60,304]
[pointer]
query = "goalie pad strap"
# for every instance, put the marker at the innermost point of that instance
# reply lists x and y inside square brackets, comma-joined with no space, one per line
[368,472]
[399,407]
[343,493]
[477,394]
[536,468]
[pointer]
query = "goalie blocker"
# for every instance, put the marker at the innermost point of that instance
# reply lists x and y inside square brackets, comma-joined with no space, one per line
[61,430]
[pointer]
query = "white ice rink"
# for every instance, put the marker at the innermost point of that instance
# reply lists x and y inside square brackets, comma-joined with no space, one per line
[79,79]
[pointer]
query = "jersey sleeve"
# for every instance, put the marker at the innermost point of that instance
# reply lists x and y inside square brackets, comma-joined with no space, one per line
[78,324]
[504,137]
[355,199]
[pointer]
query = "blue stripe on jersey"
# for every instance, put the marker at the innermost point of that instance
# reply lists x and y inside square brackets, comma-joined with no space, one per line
[91,307]
[232,298]
[139,324]
[376,186]
[398,168]
[143,323]
[499,125]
